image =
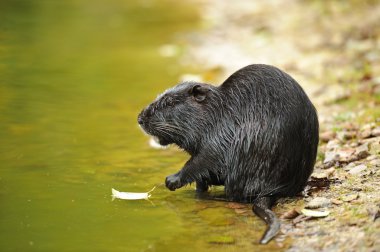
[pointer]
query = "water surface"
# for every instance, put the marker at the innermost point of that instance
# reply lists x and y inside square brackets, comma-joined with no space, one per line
[73,77]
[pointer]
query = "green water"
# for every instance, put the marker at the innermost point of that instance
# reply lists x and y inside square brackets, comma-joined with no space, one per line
[73,77]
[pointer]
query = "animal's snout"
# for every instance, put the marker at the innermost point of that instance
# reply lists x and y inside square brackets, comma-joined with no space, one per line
[144,116]
[140,120]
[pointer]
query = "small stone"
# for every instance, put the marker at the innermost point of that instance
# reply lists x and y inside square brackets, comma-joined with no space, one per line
[362,151]
[357,169]
[345,135]
[336,202]
[349,166]
[366,130]
[366,133]
[354,144]
[332,144]
[350,197]
[324,174]
[349,126]
[375,147]
[318,202]
[376,132]
[327,136]
[375,162]
[347,155]
[330,157]
[330,171]
[372,157]
[319,175]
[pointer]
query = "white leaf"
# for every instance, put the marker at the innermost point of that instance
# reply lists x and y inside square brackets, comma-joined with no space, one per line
[130,195]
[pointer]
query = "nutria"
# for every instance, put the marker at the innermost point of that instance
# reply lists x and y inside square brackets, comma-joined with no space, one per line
[256,134]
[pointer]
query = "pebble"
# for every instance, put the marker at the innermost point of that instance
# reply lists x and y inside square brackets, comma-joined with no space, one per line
[318,202]
[330,156]
[350,197]
[372,157]
[365,133]
[336,202]
[345,135]
[375,162]
[362,151]
[324,174]
[357,169]
[375,148]
[327,136]
[332,144]
[376,132]
[347,155]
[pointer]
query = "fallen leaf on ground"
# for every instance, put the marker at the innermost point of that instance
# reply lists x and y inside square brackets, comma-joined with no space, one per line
[313,213]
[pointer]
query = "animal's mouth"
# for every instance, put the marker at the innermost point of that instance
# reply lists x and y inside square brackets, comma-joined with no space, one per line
[163,141]
[154,143]
[158,140]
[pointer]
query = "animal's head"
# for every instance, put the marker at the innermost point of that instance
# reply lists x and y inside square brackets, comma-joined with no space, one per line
[180,115]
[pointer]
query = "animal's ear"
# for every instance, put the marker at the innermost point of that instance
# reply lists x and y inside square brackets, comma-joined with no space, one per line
[199,92]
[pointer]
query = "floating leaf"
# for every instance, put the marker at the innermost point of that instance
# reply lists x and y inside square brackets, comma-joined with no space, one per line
[130,195]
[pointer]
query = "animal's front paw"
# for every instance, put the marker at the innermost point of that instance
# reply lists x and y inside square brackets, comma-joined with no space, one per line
[173,182]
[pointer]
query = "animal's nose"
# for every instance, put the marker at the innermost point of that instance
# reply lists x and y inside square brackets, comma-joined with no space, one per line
[140,120]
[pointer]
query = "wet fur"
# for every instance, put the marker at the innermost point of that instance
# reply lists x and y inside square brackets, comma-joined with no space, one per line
[256,134]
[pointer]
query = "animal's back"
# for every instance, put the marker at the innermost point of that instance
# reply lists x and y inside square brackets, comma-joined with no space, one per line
[275,134]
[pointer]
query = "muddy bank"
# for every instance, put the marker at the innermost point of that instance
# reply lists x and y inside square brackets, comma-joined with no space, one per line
[333,50]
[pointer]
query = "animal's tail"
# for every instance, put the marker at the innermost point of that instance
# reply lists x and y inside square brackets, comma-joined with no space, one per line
[261,207]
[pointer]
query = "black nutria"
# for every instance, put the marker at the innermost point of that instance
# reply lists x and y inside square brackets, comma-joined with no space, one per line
[256,134]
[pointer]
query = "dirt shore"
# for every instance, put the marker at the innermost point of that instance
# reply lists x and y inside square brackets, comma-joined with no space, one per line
[332,48]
